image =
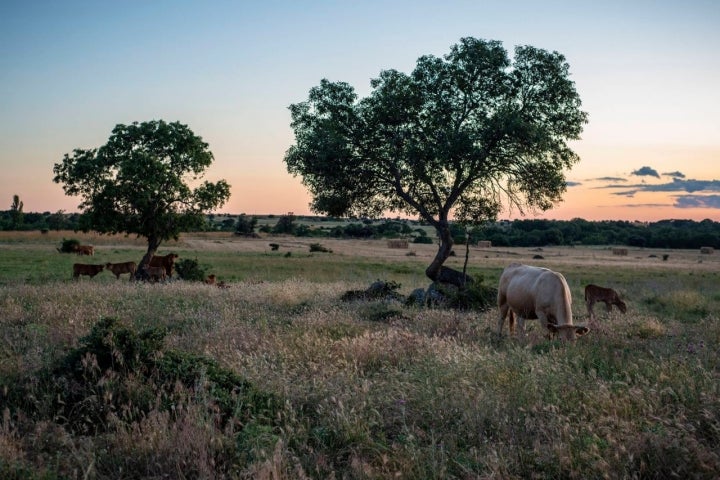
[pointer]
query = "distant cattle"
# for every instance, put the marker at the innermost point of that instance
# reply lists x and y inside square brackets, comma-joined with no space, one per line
[120,268]
[210,280]
[537,293]
[620,251]
[595,294]
[85,250]
[165,261]
[155,274]
[707,250]
[85,269]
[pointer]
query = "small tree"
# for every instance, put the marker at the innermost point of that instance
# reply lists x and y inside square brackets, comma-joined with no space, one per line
[16,213]
[245,225]
[56,221]
[458,137]
[285,224]
[139,182]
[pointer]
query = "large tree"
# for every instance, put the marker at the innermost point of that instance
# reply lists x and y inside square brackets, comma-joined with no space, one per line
[139,182]
[461,137]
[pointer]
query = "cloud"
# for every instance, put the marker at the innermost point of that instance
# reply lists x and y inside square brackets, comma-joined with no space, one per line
[674,174]
[677,185]
[646,172]
[646,205]
[573,184]
[610,179]
[690,186]
[697,201]
[628,193]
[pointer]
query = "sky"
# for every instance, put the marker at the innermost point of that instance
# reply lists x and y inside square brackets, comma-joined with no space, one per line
[648,74]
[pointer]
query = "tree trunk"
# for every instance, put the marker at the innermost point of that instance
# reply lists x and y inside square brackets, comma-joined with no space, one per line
[439,273]
[153,245]
[467,254]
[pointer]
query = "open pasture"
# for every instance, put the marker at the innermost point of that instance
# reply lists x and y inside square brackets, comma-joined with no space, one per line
[364,389]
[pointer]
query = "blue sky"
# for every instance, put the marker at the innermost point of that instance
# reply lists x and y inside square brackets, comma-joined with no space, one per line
[647,72]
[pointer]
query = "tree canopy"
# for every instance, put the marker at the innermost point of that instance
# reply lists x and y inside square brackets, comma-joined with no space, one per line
[139,182]
[462,137]
[16,212]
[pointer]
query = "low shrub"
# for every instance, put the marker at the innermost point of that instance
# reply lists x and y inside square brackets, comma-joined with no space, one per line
[473,296]
[190,270]
[68,245]
[316,247]
[117,376]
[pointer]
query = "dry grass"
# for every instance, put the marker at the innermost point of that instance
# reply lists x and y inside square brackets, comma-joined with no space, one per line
[377,390]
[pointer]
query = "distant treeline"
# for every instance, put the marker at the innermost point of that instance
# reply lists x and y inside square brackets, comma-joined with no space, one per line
[661,234]
[517,233]
[12,220]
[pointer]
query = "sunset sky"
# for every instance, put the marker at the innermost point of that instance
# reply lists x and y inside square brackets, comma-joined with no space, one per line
[648,73]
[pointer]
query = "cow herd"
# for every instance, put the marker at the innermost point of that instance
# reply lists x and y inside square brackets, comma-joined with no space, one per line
[526,292]
[158,269]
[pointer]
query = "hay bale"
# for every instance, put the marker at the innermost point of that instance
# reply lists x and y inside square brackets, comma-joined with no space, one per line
[397,243]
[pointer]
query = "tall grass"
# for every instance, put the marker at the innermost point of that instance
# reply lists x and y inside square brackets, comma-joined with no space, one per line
[365,389]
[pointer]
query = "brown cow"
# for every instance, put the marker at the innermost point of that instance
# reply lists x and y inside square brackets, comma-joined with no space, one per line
[595,293]
[165,261]
[85,269]
[533,292]
[120,268]
[85,250]
[155,274]
[212,280]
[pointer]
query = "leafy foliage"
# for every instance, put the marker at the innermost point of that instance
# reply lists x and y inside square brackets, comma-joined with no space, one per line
[245,225]
[190,270]
[316,247]
[473,296]
[138,182]
[68,245]
[16,212]
[118,375]
[285,225]
[462,133]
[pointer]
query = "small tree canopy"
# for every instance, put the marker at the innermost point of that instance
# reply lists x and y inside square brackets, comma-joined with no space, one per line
[16,213]
[460,137]
[139,182]
[245,225]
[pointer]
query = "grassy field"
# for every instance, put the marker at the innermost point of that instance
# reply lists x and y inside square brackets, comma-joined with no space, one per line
[275,377]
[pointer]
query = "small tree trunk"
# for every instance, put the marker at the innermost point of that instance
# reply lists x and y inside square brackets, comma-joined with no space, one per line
[439,273]
[153,245]
[467,254]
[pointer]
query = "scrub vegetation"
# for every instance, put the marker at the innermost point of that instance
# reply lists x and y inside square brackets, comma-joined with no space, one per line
[276,377]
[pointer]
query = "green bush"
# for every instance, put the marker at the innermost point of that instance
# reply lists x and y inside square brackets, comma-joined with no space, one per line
[120,375]
[423,239]
[68,245]
[190,270]
[316,247]
[473,296]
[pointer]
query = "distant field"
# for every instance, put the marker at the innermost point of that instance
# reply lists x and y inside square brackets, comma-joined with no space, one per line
[234,258]
[360,389]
